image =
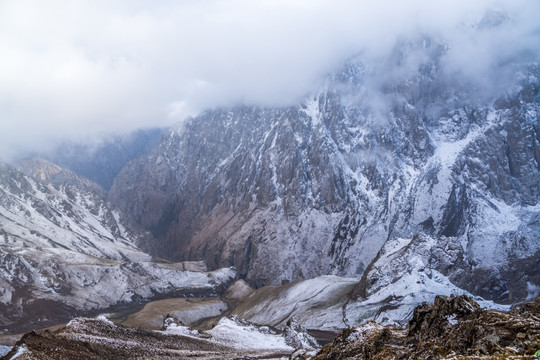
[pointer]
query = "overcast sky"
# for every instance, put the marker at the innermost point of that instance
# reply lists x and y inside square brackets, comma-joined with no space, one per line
[84,68]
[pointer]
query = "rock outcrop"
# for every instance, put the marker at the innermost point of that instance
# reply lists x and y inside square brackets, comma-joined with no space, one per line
[451,328]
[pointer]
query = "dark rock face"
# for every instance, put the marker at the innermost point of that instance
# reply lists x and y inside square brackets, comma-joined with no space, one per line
[451,328]
[300,191]
[431,321]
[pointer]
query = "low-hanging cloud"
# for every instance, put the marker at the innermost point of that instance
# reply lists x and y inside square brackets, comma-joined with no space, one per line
[84,68]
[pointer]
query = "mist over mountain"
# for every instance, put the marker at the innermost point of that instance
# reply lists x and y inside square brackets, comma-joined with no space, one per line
[87,70]
[100,159]
[256,169]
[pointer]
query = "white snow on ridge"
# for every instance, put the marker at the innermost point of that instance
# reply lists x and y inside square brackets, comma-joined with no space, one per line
[315,303]
[401,279]
[4,350]
[432,194]
[20,352]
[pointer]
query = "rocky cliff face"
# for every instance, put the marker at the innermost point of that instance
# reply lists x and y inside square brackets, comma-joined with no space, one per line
[380,152]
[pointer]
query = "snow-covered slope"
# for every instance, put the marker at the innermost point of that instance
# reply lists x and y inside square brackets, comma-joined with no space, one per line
[64,251]
[381,151]
[405,273]
[315,303]
[37,215]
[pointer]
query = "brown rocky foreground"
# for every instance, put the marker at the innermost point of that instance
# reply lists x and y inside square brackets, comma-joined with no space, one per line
[85,338]
[451,328]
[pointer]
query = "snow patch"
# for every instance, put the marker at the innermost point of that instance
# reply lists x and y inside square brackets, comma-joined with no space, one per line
[104,319]
[311,109]
[452,319]
[175,329]
[4,350]
[362,333]
[314,303]
[246,336]
[532,291]
[20,352]
[223,275]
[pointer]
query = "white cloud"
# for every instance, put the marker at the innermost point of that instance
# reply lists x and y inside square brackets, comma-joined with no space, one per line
[83,68]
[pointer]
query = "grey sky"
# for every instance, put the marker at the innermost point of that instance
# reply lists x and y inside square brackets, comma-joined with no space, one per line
[85,68]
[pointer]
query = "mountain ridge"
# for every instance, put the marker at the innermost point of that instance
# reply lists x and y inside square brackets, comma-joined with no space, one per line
[318,188]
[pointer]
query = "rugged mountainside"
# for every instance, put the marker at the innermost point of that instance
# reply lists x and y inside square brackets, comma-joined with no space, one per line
[399,149]
[65,251]
[404,274]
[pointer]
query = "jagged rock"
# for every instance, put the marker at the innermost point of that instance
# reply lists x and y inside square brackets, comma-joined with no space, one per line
[451,328]
[431,321]
[297,337]
[169,321]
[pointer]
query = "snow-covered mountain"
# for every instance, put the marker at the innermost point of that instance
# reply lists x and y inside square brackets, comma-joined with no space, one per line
[65,251]
[399,149]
